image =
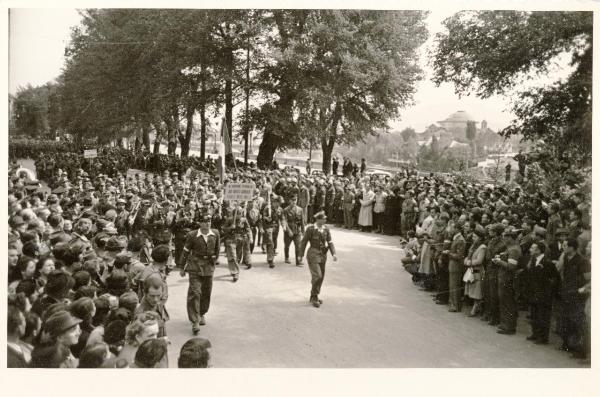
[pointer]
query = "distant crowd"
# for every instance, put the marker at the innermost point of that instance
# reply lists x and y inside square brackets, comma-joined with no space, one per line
[89,260]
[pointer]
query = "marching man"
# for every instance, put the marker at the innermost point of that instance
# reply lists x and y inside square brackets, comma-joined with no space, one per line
[319,237]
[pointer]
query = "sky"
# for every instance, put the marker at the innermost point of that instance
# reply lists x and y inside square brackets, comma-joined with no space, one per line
[37,40]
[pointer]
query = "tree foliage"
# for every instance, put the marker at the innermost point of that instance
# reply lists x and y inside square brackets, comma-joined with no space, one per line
[496,52]
[318,77]
[30,110]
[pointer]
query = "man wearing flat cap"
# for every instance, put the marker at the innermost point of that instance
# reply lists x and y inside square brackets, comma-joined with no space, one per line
[319,237]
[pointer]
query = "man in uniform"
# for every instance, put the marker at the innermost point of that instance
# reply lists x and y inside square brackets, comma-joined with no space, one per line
[293,226]
[304,200]
[270,220]
[243,239]
[233,229]
[199,255]
[508,263]
[319,237]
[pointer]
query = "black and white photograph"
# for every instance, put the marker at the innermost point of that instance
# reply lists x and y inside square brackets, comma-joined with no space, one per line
[299,188]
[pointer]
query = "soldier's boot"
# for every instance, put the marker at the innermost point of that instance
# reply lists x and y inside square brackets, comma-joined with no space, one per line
[271,265]
[287,260]
[195,328]
[299,261]
[315,301]
[202,320]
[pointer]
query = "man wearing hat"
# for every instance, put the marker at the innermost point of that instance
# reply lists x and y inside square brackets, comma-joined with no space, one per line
[293,226]
[55,291]
[508,262]
[121,223]
[319,237]
[199,255]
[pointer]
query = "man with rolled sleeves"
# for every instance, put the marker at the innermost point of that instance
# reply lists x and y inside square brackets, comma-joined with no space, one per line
[293,226]
[319,237]
[199,256]
[508,262]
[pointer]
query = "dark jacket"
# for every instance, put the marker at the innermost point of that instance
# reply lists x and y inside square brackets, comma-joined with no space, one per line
[543,281]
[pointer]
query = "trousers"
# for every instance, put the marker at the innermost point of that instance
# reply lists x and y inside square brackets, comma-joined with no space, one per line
[507,301]
[455,290]
[242,249]
[348,217]
[198,296]
[490,294]
[287,241]
[541,313]
[316,263]
[268,244]
[232,257]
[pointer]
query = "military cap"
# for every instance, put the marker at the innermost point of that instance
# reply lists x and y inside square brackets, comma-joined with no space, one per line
[161,253]
[561,231]
[511,231]
[101,224]
[60,322]
[205,217]
[115,244]
[122,201]
[122,259]
[17,220]
[110,228]
[320,215]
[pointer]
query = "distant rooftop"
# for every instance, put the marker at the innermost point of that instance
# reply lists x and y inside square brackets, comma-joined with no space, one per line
[458,117]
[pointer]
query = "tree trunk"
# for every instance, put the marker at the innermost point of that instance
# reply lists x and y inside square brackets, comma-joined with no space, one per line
[202,108]
[327,151]
[229,94]
[328,140]
[158,137]
[246,124]
[146,137]
[266,151]
[202,131]
[189,128]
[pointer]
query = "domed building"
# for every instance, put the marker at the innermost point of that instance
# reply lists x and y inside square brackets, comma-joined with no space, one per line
[456,123]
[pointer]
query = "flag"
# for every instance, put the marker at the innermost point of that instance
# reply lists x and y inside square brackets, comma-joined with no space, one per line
[225,137]
[222,150]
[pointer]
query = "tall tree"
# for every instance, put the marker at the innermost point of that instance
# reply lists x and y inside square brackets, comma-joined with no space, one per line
[363,69]
[471,132]
[30,108]
[495,52]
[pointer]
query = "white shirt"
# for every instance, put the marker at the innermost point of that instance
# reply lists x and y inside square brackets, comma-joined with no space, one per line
[205,236]
[538,260]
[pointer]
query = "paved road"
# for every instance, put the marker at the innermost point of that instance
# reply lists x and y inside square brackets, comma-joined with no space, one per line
[372,316]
